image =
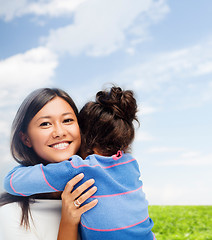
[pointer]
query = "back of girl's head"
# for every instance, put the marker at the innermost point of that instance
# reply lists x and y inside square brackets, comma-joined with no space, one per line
[107,124]
[32,104]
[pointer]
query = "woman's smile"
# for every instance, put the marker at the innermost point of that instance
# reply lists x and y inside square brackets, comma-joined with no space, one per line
[61,145]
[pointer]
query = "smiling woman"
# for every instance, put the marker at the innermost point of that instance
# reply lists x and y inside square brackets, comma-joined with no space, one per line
[45,130]
[54,135]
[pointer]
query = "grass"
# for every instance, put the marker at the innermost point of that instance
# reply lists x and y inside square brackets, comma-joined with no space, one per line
[182,222]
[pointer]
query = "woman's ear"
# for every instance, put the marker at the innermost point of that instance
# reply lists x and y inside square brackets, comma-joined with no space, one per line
[25,139]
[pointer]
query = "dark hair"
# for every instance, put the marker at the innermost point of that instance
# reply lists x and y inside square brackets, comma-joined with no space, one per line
[106,124]
[32,104]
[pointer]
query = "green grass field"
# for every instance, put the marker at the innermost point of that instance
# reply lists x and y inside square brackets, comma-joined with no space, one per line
[182,222]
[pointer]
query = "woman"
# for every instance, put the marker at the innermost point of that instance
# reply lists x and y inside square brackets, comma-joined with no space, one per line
[45,129]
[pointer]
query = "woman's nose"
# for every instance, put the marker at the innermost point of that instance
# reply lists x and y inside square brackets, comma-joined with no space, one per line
[59,131]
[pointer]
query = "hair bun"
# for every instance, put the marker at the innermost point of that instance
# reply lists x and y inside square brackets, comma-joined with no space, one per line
[119,102]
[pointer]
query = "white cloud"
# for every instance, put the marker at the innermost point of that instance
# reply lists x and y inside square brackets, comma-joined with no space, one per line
[183,157]
[54,8]
[145,109]
[21,73]
[4,126]
[176,66]
[190,154]
[143,136]
[164,194]
[189,159]
[174,194]
[98,27]
[181,78]
[130,50]
[164,149]
[101,27]
[12,8]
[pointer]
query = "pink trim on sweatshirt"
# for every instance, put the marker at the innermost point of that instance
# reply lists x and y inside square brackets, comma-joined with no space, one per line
[116,194]
[46,179]
[117,155]
[114,229]
[98,165]
[11,185]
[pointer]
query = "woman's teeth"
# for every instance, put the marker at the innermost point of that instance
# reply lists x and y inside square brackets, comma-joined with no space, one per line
[60,146]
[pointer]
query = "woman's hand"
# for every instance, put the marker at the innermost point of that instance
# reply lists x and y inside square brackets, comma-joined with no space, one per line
[71,206]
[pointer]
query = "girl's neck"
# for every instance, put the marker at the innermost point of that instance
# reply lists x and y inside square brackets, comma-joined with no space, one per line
[96,151]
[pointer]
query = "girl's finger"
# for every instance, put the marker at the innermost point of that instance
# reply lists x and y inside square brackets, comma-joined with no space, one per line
[77,192]
[69,186]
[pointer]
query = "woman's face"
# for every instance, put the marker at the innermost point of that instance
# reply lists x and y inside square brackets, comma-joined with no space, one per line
[54,132]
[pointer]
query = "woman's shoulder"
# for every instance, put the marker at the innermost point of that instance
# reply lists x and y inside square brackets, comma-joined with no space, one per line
[10,218]
[9,210]
[43,225]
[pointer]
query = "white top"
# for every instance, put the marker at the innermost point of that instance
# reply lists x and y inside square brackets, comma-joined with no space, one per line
[46,219]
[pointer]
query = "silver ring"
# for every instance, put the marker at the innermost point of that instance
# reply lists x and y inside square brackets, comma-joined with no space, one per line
[77,203]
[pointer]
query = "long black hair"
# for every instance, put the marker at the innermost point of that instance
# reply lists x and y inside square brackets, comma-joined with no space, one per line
[24,155]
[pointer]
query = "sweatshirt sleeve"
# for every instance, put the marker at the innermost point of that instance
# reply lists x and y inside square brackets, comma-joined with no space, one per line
[26,181]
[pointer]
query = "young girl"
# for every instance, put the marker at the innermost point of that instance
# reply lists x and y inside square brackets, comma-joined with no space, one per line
[33,141]
[107,131]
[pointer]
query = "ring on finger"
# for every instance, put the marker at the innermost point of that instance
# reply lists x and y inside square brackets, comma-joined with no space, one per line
[77,203]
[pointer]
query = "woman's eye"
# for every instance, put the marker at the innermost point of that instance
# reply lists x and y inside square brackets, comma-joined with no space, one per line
[45,124]
[68,120]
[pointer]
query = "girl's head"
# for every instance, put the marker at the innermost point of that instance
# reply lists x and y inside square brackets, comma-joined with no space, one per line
[106,124]
[45,128]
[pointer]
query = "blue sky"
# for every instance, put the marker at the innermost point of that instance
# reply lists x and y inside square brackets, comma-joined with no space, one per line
[160,49]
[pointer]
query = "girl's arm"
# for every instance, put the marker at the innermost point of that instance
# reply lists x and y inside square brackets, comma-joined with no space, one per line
[26,181]
[71,214]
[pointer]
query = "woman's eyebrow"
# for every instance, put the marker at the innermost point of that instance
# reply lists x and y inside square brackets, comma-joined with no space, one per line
[68,113]
[64,114]
[43,117]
